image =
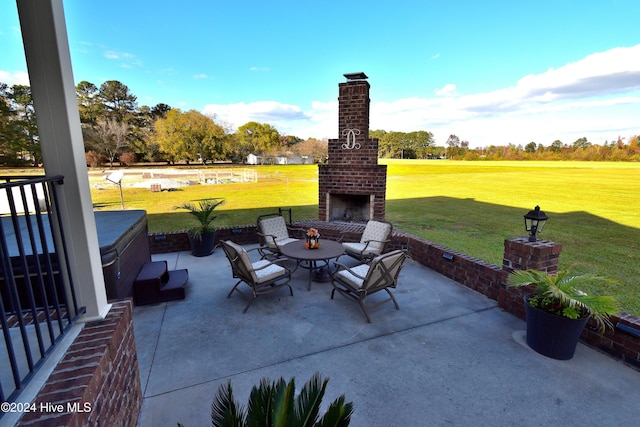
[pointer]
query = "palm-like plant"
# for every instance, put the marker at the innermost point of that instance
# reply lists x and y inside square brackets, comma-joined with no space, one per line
[203,211]
[560,295]
[272,403]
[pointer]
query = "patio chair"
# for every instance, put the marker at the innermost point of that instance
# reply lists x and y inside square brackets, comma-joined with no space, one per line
[356,283]
[273,233]
[372,242]
[263,276]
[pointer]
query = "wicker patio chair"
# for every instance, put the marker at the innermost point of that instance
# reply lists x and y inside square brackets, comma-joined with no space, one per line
[263,276]
[273,233]
[372,242]
[356,283]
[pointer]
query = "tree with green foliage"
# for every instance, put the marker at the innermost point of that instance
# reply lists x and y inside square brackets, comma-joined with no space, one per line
[20,130]
[257,138]
[10,129]
[581,143]
[556,146]
[404,145]
[118,102]
[89,105]
[530,147]
[190,136]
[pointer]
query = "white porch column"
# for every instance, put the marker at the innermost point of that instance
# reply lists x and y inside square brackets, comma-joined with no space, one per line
[46,46]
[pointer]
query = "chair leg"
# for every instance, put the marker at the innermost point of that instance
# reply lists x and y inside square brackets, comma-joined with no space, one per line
[393,299]
[233,289]
[249,304]
[364,309]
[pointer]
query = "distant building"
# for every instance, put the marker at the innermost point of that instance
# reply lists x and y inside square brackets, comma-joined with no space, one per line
[253,159]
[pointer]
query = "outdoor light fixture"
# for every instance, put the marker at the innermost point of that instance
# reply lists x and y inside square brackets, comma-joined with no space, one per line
[534,222]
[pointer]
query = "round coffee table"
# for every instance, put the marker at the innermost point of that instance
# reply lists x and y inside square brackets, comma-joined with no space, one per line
[327,251]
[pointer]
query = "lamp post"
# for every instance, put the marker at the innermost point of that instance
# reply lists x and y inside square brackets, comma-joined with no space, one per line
[534,222]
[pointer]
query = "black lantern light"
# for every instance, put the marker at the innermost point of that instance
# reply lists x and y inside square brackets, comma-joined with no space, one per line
[534,222]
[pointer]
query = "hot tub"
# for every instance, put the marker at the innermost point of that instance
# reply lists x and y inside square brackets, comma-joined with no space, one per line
[124,249]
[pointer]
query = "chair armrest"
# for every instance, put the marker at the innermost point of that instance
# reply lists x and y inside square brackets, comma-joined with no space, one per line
[384,242]
[296,230]
[349,234]
[342,267]
[266,237]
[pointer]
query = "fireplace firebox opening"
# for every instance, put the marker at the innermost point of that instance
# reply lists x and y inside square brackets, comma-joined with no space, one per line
[350,207]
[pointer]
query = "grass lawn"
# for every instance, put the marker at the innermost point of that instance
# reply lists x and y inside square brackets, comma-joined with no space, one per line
[594,208]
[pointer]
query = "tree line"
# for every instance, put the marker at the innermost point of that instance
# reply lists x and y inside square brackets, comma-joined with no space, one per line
[116,129]
[580,149]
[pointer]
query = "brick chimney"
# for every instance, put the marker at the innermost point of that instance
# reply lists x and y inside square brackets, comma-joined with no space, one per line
[351,185]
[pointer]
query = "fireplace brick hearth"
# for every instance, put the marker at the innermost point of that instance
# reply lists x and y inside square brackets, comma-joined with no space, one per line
[351,185]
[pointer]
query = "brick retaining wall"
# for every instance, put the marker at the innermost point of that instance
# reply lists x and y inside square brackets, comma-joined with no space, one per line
[481,276]
[97,379]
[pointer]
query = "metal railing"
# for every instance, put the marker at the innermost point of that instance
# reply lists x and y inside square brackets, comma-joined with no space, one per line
[37,297]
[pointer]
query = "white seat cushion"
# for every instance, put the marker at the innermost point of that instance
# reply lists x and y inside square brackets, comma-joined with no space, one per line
[354,281]
[264,275]
[357,248]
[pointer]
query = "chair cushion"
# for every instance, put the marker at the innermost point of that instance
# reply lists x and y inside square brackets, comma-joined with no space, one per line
[376,230]
[357,248]
[274,227]
[354,281]
[264,275]
[384,270]
[282,242]
[240,261]
[241,252]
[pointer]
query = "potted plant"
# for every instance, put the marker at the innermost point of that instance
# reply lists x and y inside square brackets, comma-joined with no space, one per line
[558,310]
[202,236]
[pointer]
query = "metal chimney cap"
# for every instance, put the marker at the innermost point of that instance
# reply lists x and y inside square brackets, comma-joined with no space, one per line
[356,76]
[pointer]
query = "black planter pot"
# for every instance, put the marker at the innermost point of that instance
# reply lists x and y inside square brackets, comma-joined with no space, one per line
[202,245]
[550,335]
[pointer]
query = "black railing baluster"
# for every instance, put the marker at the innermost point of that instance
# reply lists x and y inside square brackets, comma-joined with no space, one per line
[34,271]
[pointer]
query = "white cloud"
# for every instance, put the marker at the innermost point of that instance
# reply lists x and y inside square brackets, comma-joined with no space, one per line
[447,90]
[263,111]
[200,76]
[597,97]
[127,60]
[264,69]
[14,78]
[288,119]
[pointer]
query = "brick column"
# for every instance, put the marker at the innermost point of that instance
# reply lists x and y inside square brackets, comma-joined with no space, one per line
[520,254]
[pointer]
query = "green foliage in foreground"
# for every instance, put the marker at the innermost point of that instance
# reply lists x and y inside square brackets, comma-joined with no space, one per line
[470,207]
[273,403]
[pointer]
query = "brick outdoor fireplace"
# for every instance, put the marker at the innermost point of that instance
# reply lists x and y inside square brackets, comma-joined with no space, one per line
[351,185]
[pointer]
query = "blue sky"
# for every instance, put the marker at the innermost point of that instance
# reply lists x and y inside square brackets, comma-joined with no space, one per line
[491,72]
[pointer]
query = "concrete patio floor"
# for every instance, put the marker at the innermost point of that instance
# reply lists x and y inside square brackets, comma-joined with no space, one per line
[449,356]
